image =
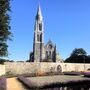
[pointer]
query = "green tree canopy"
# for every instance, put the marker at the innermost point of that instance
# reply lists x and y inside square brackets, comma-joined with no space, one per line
[78,55]
[4,26]
[78,51]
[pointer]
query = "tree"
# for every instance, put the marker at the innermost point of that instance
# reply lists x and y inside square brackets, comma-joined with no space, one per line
[5,34]
[88,59]
[78,51]
[78,55]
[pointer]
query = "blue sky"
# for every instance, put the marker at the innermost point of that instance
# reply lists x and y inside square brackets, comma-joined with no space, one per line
[66,23]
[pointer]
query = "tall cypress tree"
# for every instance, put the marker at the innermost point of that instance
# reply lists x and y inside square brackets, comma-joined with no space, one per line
[5,33]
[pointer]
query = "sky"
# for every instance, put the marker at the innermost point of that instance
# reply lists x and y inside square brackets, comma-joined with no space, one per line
[66,23]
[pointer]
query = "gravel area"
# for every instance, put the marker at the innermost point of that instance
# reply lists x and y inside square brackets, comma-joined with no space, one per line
[47,80]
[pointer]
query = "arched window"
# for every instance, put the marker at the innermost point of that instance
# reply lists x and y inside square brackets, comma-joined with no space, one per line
[48,54]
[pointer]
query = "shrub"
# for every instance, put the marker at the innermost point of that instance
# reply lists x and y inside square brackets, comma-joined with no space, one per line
[40,73]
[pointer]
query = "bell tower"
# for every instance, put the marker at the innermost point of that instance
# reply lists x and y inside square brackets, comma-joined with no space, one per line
[38,45]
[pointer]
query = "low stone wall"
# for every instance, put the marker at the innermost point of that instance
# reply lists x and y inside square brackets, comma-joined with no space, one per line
[26,67]
[21,68]
[2,70]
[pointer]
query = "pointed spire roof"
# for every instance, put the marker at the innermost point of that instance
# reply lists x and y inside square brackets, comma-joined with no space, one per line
[39,10]
[39,13]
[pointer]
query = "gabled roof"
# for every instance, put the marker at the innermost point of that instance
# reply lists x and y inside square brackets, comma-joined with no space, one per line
[49,43]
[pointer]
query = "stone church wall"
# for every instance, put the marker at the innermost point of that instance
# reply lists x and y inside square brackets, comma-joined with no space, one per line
[24,68]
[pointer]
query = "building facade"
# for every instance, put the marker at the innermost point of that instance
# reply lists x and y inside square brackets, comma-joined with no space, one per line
[41,52]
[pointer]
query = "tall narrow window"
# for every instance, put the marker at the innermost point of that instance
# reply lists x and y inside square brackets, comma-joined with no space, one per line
[40,26]
[49,54]
[38,38]
[46,54]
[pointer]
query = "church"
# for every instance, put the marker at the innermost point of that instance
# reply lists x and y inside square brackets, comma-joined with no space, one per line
[41,52]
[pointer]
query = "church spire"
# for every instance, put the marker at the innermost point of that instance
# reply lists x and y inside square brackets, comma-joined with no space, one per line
[39,13]
[38,48]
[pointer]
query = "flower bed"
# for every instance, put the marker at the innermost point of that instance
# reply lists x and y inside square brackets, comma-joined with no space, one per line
[72,73]
[2,83]
[86,73]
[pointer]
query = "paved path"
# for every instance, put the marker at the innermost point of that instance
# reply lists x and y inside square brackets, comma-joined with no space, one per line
[14,84]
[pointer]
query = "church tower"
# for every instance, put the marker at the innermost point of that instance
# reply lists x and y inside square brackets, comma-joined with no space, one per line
[38,45]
